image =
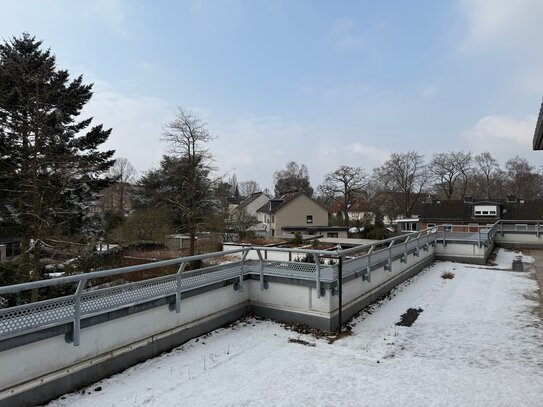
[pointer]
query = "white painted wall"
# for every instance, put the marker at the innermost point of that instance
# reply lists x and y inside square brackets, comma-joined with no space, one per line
[39,358]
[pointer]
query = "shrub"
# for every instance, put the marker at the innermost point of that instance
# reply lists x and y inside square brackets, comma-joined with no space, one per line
[297,238]
[447,275]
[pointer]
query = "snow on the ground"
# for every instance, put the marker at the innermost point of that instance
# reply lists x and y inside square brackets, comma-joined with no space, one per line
[504,258]
[477,343]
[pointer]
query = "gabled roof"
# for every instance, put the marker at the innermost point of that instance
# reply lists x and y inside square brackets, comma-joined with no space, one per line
[274,205]
[250,199]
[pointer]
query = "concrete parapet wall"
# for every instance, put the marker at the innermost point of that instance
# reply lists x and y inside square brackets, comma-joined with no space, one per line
[519,239]
[466,252]
[50,363]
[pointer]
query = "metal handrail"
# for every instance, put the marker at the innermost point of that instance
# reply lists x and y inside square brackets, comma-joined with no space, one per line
[112,272]
[347,252]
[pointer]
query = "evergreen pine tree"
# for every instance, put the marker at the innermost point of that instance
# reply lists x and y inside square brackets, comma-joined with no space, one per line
[49,160]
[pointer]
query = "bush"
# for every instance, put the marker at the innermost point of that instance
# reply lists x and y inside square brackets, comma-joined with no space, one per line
[297,238]
[447,275]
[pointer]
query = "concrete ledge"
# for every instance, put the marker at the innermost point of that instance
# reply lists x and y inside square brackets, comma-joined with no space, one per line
[527,245]
[280,315]
[462,259]
[57,383]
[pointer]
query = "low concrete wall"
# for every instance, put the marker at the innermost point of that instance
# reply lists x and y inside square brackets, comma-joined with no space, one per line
[520,240]
[465,252]
[287,302]
[47,368]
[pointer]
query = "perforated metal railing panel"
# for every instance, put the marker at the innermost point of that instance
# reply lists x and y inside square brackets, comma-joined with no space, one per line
[38,314]
[303,271]
[110,298]
[209,275]
[61,310]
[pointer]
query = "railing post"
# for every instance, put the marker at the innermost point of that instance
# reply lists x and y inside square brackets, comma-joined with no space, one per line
[242,270]
[404,259]
[261,269]
[418,245]
[388,267]
[178,288]
[340,291]
[368,269]
[479,236]
[444,236]
[318,274]
[77,311]
[537,230]
[501,227]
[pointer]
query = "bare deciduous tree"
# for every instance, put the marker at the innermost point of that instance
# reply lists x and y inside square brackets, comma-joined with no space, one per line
[450,172]
[124,174]
[240,220]
[344,185]
[188,136]
[523,180]
[247,188]
[404,175]
[487,176]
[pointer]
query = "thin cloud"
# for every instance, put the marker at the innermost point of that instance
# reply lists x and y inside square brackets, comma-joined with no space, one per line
[137,123]
[503,136]
[496,24]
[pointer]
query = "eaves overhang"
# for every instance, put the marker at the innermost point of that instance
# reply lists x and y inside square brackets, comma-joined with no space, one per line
[538,134]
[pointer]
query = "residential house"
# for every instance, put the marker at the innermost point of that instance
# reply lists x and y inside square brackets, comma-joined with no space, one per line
[253,203]
[298,213]
[359,210]
[250,205]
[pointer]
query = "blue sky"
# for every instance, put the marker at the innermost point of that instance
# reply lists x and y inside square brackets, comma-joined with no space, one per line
[318,82]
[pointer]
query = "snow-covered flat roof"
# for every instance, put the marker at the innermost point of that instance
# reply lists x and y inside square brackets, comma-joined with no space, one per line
[476,342]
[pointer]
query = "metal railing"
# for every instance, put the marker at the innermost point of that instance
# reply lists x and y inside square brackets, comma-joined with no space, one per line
[534,227]
[86,299]
[482,235]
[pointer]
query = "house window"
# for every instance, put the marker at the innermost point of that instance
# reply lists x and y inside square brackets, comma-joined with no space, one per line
[331,234]
[273,219]
[447,228]
[309,219]
[485,210]
[431,225]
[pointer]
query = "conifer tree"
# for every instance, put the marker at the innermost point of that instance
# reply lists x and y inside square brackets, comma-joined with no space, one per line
[49,158]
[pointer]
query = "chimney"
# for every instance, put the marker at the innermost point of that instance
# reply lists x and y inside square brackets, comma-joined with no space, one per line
[468,199]
[511,198]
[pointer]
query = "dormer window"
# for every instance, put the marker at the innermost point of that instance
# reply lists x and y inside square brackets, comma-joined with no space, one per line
[485,210]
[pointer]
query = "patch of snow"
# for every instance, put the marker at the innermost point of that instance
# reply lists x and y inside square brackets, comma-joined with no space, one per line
[477,343]
[504,258]
[54,275]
